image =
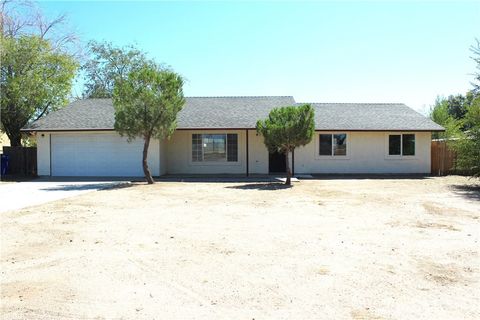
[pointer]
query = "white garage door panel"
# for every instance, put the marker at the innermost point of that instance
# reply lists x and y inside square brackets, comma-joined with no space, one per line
[96,155]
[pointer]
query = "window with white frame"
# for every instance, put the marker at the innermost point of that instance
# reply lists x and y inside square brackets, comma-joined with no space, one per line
[332,144]
[215,147]
[401,144]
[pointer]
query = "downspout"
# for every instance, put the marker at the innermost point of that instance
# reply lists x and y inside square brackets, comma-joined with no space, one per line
[246,134]
[50,151]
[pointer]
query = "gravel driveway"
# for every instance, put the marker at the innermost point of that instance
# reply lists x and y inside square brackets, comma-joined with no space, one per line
[18,195]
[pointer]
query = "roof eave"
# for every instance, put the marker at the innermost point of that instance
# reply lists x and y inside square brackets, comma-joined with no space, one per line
[383,130]
[231,128]
[64,129]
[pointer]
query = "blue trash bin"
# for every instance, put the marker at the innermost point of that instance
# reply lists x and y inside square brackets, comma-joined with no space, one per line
[4,164]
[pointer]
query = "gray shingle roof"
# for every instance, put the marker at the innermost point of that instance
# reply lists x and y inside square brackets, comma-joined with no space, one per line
[80,114]
[370,116]
[243,112]
[228,112]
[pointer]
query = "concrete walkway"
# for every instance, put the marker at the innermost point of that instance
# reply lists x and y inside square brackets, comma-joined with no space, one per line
[18,195]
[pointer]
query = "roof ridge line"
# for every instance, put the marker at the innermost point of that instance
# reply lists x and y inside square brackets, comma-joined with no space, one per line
[238,96]
[199,97]
[352,103]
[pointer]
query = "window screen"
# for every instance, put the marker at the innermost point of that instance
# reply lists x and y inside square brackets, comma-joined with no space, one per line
[408,144]
[214,147]
[340,144]
[401,144]
[325,144]
[394,144]
[333,144]
[232,147]
[197,147]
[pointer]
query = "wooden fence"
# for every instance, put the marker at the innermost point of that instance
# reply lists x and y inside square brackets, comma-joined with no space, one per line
[443,159]
[22,161]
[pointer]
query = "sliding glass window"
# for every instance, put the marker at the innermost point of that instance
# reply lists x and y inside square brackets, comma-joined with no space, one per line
[214,147]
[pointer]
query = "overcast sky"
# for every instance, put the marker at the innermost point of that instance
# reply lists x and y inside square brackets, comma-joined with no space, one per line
[318,52]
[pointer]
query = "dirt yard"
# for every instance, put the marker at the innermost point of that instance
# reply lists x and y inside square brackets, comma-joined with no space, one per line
[324,249]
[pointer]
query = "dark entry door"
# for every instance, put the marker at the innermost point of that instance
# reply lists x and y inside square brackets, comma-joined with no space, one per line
[277,163]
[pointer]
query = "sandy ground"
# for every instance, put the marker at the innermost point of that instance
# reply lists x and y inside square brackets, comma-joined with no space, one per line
[324,249]
[18,195]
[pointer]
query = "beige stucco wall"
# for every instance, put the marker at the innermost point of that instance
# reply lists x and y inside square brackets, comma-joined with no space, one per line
[43,154]
[179,155]
[258,153]
[4,141]
[163,157]
[366,153]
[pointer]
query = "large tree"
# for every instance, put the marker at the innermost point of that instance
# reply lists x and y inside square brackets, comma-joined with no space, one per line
[35,79]
[468,147]
[476,57]
[287,128]
[457,105]
[106,65]
[439,113]
[37,65]
[24,18]
[146,105]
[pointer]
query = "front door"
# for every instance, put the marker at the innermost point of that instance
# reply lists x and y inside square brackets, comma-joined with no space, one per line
[277,163]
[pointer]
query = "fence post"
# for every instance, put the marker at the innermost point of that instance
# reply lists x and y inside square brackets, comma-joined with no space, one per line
[24,151]
[443,157]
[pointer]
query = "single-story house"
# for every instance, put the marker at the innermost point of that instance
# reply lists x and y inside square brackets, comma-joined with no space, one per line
[216,135]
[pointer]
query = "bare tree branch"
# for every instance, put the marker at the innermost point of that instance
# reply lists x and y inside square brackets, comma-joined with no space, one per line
[19,18]
[43,111]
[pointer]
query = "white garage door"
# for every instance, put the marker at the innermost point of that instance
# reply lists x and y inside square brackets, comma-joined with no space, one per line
[96,154]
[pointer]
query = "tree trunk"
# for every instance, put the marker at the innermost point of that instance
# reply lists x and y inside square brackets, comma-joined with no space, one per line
[15,139]
[146,171]
[289,172]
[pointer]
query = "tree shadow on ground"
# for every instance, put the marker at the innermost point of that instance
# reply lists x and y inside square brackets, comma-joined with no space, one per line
[261,186]
[469,191]
[93,186]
